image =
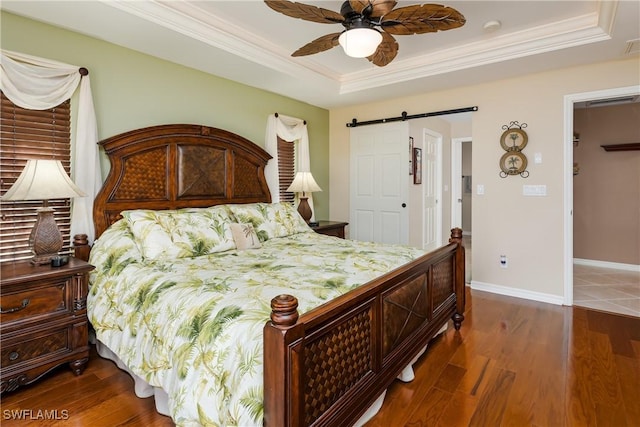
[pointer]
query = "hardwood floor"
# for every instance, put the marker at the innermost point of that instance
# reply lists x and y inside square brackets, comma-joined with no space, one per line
[513,363]
[522,363]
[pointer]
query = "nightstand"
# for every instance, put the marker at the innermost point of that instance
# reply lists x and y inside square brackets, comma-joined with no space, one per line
[331,228]
[43,320]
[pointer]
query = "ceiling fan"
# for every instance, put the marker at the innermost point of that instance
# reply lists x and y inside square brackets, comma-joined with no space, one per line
[361,20]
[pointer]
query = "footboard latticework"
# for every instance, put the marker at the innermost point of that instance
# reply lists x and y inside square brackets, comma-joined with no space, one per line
[329,365]
[334,362]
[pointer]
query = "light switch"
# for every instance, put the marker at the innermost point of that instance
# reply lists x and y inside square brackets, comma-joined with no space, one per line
[534,190]
[537,158]
[480,189]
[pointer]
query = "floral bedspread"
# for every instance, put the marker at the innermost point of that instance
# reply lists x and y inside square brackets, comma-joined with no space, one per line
[193,326]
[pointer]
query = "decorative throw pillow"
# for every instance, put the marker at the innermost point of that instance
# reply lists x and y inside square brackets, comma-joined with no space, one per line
[271,220]
[245,236]
[182,233]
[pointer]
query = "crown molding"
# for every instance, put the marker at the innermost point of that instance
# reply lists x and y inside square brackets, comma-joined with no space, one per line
[189,20]
[580,30]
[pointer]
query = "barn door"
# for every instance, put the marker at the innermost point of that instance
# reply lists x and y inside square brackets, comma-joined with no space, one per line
[379,183]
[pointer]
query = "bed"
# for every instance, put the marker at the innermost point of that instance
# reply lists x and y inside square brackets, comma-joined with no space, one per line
[326,334]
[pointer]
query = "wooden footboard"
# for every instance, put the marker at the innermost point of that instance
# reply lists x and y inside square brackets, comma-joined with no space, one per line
[327,366]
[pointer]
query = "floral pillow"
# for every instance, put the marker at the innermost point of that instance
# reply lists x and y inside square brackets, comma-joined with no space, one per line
[270,220]
[114,250]
[182,233]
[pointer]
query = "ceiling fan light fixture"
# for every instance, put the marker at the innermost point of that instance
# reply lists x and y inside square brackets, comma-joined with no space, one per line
[360,42]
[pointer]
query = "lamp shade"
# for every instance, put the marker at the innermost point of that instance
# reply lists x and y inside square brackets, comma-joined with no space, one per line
[303,182]
[360,42]
[43,180]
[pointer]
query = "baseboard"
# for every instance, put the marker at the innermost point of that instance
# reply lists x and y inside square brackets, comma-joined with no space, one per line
[517,293]
[606,264]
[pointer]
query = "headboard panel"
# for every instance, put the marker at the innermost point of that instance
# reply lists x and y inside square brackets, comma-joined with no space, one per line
[178,166]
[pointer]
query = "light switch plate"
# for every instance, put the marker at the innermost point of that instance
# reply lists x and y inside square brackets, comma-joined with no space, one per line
[537,158]
[534,190]
[480,189]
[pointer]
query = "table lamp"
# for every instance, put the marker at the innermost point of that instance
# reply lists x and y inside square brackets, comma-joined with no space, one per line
[43,180]
[304,183]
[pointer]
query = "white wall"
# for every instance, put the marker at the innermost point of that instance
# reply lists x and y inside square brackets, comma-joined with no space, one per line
[529,230]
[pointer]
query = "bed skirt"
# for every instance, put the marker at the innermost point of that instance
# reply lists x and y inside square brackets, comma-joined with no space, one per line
[144,389]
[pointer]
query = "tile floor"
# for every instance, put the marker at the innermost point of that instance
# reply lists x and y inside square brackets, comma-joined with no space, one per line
[607,289]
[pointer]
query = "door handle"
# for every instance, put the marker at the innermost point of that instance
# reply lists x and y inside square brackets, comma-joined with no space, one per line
[404,205]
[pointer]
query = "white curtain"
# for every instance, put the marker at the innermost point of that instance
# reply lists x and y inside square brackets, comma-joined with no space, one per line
[39,84]
[291,130]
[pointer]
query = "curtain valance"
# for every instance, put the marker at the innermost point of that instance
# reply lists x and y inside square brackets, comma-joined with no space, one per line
[289,129]
[39,84]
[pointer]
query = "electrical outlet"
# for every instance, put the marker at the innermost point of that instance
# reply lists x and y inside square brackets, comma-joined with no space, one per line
[504,263]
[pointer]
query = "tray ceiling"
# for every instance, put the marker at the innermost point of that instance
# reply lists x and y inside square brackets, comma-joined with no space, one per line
[246,41]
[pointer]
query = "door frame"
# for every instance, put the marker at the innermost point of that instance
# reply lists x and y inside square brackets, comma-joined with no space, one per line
[439,141]
[569,100]
[456,182]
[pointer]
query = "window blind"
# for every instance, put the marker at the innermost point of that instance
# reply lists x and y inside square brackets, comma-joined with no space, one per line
[31,134]
[286,169]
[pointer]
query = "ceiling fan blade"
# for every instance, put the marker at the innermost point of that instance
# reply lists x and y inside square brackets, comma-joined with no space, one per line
[380,7]
[305,11]
[420,19]
[318,45]
[386,52]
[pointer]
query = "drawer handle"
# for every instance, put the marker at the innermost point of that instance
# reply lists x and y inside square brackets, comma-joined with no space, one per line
[25,303]
[13,355]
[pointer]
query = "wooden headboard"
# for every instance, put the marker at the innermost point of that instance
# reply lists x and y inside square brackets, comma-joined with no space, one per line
[177,166]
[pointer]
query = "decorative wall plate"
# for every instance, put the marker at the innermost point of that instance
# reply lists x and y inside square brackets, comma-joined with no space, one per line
[513,163]
[513,139]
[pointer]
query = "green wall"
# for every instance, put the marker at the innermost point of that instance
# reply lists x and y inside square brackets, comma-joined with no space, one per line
[133,90]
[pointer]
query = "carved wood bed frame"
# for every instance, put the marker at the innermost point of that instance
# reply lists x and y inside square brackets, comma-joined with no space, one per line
[327,366]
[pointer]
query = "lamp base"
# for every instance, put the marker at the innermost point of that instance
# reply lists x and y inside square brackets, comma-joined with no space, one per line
[45,239]
[305,209]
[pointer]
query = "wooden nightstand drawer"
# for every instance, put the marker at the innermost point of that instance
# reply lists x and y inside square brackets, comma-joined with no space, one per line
[36,301]
[39,345]
[43,321]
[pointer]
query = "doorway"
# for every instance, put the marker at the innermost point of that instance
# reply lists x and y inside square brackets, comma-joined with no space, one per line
[432,191]
[571,277]
[461,195]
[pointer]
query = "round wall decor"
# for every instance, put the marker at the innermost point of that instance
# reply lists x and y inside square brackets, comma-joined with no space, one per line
[513,163]
[513,140]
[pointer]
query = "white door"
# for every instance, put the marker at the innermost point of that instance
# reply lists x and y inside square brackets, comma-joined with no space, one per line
[456,182]
[379,183]
[432,184]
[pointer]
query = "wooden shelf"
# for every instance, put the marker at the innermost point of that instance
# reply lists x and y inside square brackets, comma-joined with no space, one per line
[622,147]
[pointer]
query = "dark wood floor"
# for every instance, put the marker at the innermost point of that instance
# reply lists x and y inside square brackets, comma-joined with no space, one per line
[514,363]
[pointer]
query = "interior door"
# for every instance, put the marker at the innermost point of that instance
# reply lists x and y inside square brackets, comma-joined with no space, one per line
[432,184]
[456,182]
[380,183]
